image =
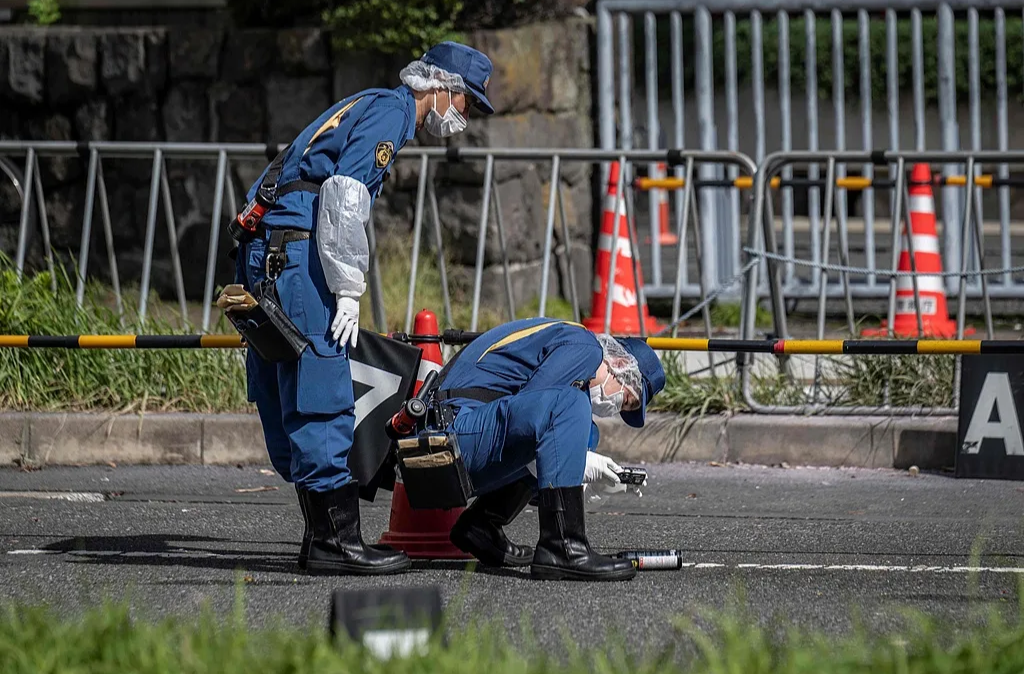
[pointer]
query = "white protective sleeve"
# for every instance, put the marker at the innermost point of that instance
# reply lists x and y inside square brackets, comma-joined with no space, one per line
[341,234]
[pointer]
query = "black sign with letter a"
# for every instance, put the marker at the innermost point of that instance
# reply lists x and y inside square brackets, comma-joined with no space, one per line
[383,378]
[989,436]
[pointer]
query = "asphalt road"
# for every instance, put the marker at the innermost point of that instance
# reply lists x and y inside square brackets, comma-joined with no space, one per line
[805,545]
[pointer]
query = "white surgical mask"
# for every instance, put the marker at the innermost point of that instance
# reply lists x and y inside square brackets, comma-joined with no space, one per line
[450,124]
[603,404]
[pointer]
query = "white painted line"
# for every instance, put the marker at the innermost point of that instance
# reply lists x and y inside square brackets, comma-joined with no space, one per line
[78,497]
[868,567]
[32,552]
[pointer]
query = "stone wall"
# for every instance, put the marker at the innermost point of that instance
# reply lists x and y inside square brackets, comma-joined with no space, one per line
[183,84]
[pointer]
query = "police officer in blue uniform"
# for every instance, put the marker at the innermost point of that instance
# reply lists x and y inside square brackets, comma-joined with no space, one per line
[524,394]
[328,180]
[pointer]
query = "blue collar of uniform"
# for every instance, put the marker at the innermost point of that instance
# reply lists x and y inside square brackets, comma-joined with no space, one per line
[410,101]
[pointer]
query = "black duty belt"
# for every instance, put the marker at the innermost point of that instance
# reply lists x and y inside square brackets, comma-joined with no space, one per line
[484,395]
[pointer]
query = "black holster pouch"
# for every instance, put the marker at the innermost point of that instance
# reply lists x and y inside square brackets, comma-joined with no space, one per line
[266,328]
[432,468]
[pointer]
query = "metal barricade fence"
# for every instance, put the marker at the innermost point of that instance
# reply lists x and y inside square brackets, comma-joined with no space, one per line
[226,203]
[763,21]
[762,245]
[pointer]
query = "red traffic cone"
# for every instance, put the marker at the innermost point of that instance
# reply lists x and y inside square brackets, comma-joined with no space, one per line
[660,219]
[625,320]
[422,534]
[935,321]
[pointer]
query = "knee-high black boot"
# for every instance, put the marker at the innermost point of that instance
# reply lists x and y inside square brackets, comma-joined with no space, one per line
[563,551]
[478,530]
[337,545]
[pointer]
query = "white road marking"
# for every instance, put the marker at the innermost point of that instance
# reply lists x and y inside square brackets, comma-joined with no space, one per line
[32,552]
[78,497]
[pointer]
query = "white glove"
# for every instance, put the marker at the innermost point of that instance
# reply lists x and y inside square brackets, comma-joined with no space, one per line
[346,323]
[600,467]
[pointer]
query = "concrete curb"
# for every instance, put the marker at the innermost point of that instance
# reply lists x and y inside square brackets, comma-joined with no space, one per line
[55,439]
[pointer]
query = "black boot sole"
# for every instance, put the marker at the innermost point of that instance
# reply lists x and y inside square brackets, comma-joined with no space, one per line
[471,544]
[543,572]
[318,568]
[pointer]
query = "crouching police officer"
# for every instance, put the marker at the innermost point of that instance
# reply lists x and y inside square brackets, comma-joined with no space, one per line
[525,394]
[312,240]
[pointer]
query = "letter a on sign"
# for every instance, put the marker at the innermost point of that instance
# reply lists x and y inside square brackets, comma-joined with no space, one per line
[995,394]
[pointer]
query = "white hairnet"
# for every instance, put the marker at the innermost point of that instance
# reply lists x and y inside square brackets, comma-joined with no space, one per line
[621,363]
[420,76]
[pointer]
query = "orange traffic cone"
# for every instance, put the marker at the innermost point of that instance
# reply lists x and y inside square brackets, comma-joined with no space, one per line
[935,321]
[624,320]
[422,534]
[660,219]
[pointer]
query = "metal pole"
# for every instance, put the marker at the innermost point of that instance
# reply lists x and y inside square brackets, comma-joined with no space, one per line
[678,111]
[108,237]
[786,116]
[26,207]
[653,137]
[1003,130]
[868,195]
[634,259]
[895,221]
[950,141]
[147,256]
[83,251]
[45,226]
[481,242]
[706,125]
[813,193]
[442,263]
[549,232]
[917,62]
[499,220]
[211,260]
[172,235]
[417,229]
[681,251]
[614,252]
[605,80]
[568,258]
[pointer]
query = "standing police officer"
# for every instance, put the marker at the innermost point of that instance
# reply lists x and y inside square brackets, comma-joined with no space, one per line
[327,183]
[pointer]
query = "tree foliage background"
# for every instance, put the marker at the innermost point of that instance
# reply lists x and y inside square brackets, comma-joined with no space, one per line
[403,28]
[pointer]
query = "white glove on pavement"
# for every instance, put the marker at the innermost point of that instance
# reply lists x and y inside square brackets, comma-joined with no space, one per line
[600,467]
[346,323]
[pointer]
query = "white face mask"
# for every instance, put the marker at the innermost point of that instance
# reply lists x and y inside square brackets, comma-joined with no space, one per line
[443,127]
[605,405]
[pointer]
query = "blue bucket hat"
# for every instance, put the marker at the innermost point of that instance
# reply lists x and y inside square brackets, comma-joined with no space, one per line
[652,373]
[473,66]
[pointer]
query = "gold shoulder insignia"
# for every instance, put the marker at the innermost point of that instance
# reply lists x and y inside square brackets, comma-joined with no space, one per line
[384,152]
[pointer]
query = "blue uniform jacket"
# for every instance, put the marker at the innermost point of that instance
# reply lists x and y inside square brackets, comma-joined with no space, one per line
[356,137]
[524,355]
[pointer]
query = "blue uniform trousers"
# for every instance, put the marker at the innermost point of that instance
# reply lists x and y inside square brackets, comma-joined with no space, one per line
[306,407]
[499,439]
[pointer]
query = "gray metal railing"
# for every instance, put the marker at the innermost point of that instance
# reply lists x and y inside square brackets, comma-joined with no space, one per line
[762,244]
[756,136]
[226,202]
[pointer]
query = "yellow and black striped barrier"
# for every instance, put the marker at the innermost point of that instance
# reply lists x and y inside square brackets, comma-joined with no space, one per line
[866,347]
[848,183]
[123,341]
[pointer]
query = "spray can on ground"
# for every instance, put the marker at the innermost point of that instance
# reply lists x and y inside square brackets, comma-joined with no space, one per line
[651,560]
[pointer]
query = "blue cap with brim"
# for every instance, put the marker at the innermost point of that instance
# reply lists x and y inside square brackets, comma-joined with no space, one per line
[474,67]
[651,372]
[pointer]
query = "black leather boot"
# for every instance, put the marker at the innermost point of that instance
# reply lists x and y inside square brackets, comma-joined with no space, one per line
[337,545]
[478,530]
[563,551]
[307,533]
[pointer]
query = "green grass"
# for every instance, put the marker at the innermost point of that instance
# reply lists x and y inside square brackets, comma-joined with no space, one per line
[208,380]
[211,380]
[114,638]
